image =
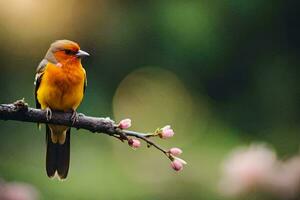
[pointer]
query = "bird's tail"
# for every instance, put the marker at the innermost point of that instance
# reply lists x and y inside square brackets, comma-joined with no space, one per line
[58,154]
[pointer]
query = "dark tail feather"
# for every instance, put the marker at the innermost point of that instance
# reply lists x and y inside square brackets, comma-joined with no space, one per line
[63,157]
[50,154]
[57,156]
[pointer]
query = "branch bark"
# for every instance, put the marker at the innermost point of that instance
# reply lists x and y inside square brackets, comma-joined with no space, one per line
[20,111]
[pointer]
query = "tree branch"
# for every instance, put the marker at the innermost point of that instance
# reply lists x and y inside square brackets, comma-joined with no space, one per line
[20,111]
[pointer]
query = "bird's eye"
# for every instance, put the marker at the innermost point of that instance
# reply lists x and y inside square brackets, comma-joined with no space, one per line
[69,52]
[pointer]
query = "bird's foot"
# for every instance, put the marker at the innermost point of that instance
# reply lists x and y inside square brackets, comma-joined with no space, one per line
[75,116]
[48,114]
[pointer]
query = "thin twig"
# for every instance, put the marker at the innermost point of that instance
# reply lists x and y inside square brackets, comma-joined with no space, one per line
[144,136]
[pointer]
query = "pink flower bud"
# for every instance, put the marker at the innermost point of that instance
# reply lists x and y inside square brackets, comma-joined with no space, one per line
[125,123]
[175,151]
[134,143]
[177,165]
[166,132]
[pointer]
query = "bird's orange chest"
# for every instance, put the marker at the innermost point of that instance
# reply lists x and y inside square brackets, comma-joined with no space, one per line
[62,86]
[64,78]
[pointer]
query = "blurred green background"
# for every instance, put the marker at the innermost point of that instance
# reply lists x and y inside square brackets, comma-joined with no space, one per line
[222,73]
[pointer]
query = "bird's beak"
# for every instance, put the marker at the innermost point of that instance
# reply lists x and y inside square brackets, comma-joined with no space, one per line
[82,54]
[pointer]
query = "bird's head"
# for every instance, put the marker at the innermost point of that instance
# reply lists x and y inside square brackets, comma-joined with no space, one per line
[64,50]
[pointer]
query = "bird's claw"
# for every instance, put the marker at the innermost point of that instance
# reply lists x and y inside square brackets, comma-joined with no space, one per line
[48,114]
[75,116]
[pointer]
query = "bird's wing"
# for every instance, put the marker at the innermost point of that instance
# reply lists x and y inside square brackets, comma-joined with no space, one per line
[38,77]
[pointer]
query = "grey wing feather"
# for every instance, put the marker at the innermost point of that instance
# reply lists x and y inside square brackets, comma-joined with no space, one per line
[38,77]
[37,81]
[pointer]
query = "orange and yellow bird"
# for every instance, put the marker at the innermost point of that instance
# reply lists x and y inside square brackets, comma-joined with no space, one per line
[60,83]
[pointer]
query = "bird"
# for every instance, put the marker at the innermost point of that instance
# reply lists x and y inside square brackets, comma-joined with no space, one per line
[60,83]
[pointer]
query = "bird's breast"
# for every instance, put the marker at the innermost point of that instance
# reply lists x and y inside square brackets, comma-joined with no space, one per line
[62,88]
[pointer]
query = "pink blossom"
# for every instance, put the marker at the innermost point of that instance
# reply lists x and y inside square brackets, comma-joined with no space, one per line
[175,151]
[257,167]
[125,123]
[134,143]
[18,191]
[285,180]
[247,168]
[177,164]
[166,132]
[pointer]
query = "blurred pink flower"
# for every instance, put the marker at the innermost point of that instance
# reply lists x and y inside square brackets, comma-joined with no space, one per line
[285,180]
[125,123]
[18,191]
[166,132]
[134,143]
[246,169]
[175,151]
[257,167]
